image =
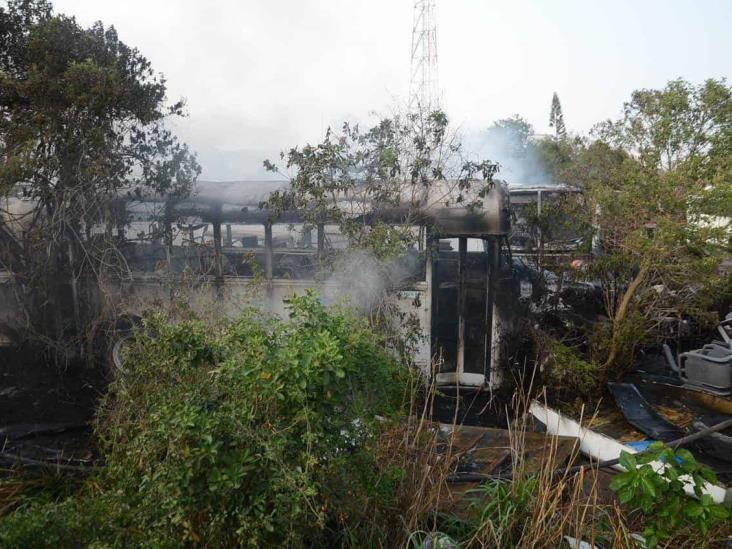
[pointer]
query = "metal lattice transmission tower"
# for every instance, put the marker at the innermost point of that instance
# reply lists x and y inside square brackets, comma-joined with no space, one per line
[423,83]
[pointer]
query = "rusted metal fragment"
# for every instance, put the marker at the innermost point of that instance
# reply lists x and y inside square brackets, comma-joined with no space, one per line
[695,410]
[455,440]
[610,421]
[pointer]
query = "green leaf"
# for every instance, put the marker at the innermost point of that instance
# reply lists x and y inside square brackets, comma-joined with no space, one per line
[718,512]
[620,480]
[648,486]
[628,460]
[625,495]
[692,509]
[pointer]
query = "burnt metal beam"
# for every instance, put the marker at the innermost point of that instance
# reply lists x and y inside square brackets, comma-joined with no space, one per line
[268,255]
[218,256]
[493,268]
[229,242]
[168,237]
[321,240]
[462,268]
[432,246]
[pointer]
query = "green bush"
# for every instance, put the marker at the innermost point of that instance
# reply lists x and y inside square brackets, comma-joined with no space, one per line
[567,374]
[256,433]
[660,496]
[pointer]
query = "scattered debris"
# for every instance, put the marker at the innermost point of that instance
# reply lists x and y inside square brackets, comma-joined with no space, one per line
[607,450]
[483,453]
[710,367]
[640,413]
[575,543]
[692,410]
[438,540]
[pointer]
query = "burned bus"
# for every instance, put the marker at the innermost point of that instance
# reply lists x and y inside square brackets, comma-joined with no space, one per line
[455,281]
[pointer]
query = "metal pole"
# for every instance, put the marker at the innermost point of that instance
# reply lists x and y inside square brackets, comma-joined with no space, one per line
[462,258]
[321,240]
[268,257]
[493,270]
[168,239]
[218,257]
[121,220]
[540,232]
[431,254]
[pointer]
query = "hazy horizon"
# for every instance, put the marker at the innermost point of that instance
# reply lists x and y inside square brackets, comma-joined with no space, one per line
[260,77]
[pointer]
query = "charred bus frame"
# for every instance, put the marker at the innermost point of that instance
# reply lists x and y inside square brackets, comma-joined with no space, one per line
[458,293]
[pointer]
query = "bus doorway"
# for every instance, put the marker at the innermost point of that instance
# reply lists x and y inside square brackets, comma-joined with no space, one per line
[463,280]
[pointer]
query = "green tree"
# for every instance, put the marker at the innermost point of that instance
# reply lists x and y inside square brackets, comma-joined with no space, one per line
[405,162]
[555,157]
[681,127]
[653,182]
[375,185]
[556,118]
[81,122]
[513,133]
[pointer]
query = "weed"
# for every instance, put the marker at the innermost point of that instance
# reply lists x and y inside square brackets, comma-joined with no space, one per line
[566,373]
[658,493]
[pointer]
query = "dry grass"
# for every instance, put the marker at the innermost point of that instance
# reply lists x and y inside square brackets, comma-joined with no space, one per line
[11,491]
[560,504]
[415,447]
[536,509]
[14,488]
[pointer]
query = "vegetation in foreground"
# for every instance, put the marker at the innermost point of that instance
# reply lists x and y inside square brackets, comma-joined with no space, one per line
[255,433]
[302,433]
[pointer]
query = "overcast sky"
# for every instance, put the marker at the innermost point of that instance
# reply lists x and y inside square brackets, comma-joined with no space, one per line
[260,76]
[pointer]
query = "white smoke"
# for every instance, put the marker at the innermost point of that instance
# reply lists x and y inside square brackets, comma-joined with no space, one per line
[516,155]
[360,280]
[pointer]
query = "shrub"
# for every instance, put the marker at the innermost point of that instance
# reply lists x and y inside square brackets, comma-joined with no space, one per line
[566,374]
[659,495]
[254,433]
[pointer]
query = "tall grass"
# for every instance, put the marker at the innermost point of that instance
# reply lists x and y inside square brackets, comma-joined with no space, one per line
[533,507]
